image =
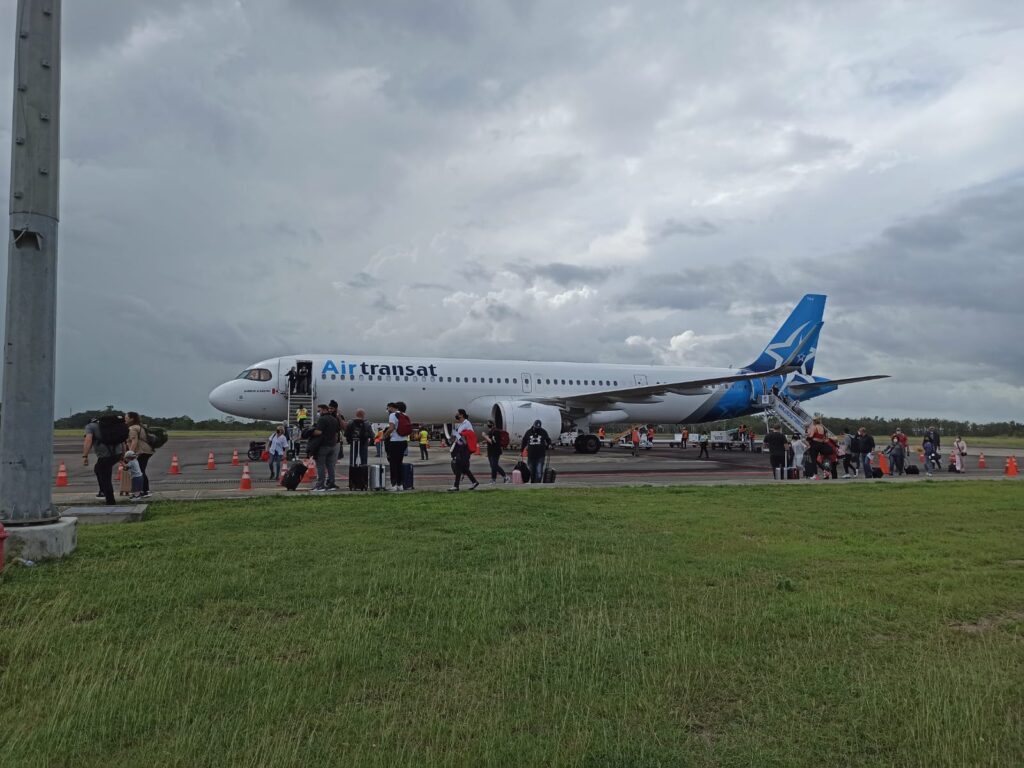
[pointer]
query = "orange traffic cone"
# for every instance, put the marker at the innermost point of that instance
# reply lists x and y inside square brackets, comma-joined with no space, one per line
[883,463]
[175,469]
[234,458]
[1011,466]
[62,476]
[210,463]
[981,461]
[310,475]
[246,484]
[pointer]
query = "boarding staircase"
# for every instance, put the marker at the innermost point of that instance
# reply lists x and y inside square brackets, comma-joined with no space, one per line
[295,402]
[791,414]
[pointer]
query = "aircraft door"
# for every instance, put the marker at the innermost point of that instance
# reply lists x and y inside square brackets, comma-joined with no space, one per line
[640,379]
[527,385]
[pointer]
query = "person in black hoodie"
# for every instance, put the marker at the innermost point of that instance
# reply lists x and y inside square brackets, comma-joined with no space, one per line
[536,441]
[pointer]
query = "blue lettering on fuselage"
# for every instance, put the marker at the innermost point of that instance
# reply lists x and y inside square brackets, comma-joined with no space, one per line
[344,367]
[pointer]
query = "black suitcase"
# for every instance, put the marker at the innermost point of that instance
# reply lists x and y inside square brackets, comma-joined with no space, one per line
[524,471]
[549,475]
[876,472]
[912,470]
[359,477]
[294,475]
[407,477]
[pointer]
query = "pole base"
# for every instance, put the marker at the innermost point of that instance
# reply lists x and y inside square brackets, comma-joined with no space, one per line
[42,542]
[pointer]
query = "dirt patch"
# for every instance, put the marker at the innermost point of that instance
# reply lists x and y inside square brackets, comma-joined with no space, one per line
[1014,563]
[987,623]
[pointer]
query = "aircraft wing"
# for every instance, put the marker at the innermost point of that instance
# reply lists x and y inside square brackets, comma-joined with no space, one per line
[649,393]
[833,383]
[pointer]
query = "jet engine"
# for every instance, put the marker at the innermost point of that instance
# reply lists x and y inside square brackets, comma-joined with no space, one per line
[517,416]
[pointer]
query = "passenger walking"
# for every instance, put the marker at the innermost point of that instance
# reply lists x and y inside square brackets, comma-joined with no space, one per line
[536,441]
[292,377]
[851,453]
[325,440]
[817,438]
[277,446]
[775,442]
[493,439]
[897,456]
[959,452]
[396,441]
[105,436]
[424,443]
[932,434]
[332,408]
[866,446]
[800,455]
[703,441]
[634,437]
[462,434]
[138,443]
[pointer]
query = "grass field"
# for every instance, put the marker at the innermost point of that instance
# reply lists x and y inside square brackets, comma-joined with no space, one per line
[736,626]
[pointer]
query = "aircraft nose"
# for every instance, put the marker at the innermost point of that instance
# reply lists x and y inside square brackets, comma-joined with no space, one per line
[220,397]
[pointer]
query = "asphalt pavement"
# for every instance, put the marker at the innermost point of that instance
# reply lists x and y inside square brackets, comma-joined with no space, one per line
[609,467]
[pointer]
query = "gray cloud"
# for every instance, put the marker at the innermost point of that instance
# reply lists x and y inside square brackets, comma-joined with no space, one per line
[583,181]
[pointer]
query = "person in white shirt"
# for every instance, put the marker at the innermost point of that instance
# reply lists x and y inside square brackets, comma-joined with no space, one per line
[277,446]
[395,444]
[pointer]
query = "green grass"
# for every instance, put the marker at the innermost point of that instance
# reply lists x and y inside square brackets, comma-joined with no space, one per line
[736,626]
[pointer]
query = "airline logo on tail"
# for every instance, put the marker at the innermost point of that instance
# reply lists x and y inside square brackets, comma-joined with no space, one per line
[800,330]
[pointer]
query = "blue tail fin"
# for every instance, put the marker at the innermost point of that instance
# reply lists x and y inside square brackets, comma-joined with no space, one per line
[804,320]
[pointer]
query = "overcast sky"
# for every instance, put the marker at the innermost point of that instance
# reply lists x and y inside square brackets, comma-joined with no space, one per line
[656,182]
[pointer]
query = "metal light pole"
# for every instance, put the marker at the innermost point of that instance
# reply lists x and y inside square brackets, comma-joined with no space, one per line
[26,432]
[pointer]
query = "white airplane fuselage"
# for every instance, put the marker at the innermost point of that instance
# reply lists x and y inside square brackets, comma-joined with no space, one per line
[434,388]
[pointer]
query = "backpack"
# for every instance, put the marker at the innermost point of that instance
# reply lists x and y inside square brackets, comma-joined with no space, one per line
[155,436]
[404,428]
[113,430]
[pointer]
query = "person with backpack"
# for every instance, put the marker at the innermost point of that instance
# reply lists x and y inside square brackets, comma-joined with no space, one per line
[325,439]
[139,443]
[959,452]
[105,436]
[332,408]
[462,434]
[396,441]
[358,434]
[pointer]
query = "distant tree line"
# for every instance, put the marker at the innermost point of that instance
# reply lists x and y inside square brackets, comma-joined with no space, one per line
[170,423]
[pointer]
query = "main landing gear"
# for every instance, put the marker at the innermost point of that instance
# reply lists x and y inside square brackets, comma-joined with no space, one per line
[587,444]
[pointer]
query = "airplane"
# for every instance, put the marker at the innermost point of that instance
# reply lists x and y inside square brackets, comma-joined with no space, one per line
[562,396]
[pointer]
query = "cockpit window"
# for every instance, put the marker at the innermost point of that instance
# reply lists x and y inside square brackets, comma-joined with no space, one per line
[255,374]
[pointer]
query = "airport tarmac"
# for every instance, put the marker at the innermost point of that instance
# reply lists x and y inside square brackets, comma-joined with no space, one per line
[610,467]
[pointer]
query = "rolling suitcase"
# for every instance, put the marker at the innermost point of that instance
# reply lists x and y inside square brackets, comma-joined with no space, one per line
[407,477]
[517,477]
[358,474]
[376,477]
[548,475]
[294,475]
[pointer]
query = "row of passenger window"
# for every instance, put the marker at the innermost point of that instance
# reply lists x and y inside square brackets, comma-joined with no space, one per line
[474,380]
